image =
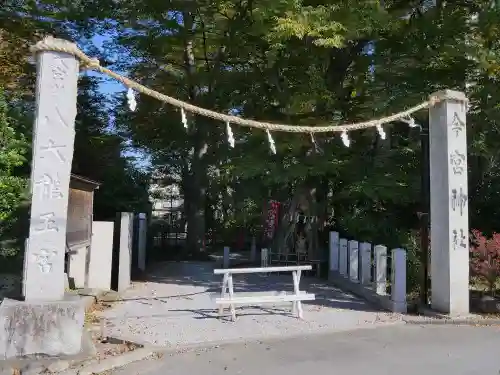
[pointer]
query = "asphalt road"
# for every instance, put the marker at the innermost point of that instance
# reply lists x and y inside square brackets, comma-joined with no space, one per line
[395,350]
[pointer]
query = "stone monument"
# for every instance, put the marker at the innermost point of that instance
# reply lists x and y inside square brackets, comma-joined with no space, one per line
[53,139]
[47,325]
[449,208]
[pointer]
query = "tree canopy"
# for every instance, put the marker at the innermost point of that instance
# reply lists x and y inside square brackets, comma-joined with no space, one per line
[311,62]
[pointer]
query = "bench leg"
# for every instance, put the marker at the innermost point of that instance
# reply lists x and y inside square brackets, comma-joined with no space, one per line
[231,293]
[294,303]
[223,293]
[297,305]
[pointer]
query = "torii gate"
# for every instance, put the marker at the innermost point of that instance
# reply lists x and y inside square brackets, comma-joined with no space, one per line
[53,151]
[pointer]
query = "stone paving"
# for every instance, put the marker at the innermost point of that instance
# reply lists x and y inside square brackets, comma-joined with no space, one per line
[174,307]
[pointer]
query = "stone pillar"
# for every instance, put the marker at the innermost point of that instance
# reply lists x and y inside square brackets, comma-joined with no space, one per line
[380,269]
[125,250]
[398,281]
[449,208]
[365,251]
[334,251]
[142,236]
[101,255]
[343,257]
[353,260]
[53,142]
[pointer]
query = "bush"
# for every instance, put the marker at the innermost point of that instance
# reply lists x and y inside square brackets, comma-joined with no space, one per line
[485,258]
[13,149]
[414,264]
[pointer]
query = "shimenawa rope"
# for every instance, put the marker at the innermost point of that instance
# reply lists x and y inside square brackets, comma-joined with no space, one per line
[59,45]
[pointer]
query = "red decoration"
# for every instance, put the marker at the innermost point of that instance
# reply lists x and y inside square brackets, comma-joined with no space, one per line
[272,219]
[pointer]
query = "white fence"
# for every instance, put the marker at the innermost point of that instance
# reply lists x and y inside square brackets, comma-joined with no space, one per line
[363,267]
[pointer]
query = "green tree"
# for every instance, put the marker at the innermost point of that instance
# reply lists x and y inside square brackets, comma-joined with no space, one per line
[99,155]
[305,62]
[13,149]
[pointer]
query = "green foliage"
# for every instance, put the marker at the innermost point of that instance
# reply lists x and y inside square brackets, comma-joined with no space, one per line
[99,155]
[313,62]
[13,148]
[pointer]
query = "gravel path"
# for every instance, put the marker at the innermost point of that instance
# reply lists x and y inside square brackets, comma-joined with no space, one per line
[175,307]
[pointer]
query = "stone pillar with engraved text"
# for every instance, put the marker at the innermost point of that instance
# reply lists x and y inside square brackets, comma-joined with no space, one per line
[449,208]
[53,139]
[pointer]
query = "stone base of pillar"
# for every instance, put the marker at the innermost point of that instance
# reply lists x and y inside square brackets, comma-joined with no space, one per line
[41,332]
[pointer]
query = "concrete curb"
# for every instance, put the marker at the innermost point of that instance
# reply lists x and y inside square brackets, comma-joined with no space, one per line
[479,321]
[95,366]
[207,345]
[427,316]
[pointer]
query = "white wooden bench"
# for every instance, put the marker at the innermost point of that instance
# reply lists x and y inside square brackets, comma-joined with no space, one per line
[228,298]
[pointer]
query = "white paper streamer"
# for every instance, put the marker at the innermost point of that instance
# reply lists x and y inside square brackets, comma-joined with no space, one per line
[313,141]
[132,104]
[272,145]
[184,118]
[230,136]
[345,139]
[411,122]
[381,132]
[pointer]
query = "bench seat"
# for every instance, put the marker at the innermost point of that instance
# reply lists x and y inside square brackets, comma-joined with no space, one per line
[264,299]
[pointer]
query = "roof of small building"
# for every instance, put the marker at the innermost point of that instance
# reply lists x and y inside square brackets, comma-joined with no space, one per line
[87,181]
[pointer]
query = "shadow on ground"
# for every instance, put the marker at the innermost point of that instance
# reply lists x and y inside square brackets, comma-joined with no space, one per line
[200,274]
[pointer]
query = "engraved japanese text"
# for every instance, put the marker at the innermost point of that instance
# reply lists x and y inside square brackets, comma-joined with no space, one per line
[457,162]
[60,119]
[458,200]
[47,223]
[49,188]
[54,149]
[59,72]
[459,240]
[457,125]
[44,259]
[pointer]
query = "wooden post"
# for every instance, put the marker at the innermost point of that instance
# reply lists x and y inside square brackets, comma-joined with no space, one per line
[223,292]
[297,305]
[231,296]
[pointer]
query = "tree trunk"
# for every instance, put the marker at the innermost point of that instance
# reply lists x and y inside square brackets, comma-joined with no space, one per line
[195,173]
[195,215]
